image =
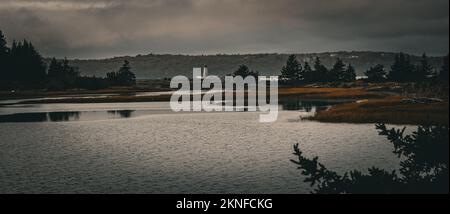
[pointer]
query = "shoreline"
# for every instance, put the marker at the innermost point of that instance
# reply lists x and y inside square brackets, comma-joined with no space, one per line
[391,110]
[378,104]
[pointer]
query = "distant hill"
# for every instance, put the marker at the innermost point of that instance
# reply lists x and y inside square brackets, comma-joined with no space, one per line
[154,66]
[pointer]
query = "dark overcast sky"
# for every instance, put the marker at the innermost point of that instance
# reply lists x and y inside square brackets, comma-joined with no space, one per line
[105,28]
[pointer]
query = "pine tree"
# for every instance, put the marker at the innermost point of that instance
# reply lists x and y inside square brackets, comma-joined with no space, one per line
[423,70]
[402,70]
[54,68]
[244,72]
[124,77]
[376,73]
[423,166]
[349,75]
[337,72]
[61,75]
[28,67]
[292,70]
[320,72]
[4,50]
[4,62]
[443,74]
[37,68]
[308,73]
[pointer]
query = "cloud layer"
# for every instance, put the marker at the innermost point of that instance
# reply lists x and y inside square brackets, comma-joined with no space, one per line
[104,28]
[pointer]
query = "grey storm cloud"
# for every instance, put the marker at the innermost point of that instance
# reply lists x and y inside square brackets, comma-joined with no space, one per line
[104,28]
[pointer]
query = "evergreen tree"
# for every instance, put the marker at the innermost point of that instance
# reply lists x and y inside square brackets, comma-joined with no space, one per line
[4,50]
[349,75]
[424,70]
[4,62]
[27,65]
[61,75]
[21,66]
[443,74]
[402,70]
[3,44]
[337,72]
[124,77]
[376,73]
[292,70]
[307,73]
[320,73]
[423,166]
[69,70]
[54,68]
[244,72]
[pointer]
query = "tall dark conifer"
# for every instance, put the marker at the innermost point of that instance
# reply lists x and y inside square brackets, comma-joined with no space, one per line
[4,62]
[376,73]
[307,72]
[320,72]
[443,74]
[337,72]
[423,70]
[349,75]
[402,70]
[292,70]
[124,77]
[28,67]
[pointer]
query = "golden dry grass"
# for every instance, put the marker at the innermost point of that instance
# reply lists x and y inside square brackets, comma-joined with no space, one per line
[389,110]
[330,93]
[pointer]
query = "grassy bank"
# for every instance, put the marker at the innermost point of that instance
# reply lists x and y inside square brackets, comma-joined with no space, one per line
[377,103]
[331,93]
[141,86]
[127,95]
[392,110]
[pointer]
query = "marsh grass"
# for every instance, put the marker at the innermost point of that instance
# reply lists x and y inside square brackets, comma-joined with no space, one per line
[390,110]
[331,93]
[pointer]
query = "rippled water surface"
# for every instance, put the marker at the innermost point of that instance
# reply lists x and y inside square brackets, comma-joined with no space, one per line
[145,148]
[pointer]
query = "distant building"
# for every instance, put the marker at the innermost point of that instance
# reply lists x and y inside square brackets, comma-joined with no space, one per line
[203,72]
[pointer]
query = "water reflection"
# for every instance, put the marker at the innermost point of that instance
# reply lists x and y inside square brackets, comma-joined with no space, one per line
[291,104]
[86,114]
[122,113]
[25,117]
[40,117]
[64,116]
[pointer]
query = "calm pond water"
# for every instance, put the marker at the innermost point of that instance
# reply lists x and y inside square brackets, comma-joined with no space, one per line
[145,148]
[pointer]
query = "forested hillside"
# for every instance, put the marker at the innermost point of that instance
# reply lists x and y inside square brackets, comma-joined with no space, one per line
[160,66]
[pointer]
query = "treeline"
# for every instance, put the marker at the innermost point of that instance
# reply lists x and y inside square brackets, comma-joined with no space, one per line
[402,70]
[293,71]
[22,67]
[244,71]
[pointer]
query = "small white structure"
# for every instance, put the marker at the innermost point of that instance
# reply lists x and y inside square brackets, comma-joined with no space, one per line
[203,71]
